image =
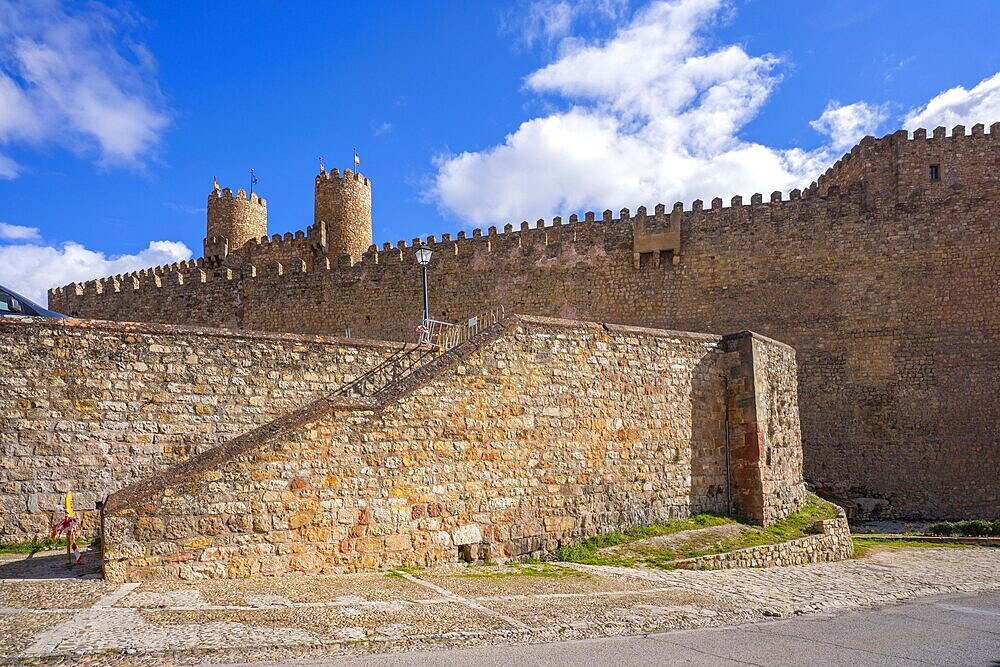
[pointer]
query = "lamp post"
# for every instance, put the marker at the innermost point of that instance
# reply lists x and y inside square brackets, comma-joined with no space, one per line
[423,259]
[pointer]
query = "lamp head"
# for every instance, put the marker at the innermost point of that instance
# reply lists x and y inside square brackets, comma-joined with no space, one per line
[424,255]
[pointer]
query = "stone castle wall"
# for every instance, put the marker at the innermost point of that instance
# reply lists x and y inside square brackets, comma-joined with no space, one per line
[92,406]
[883,282]
[536,434]
[234,220]
[344,205]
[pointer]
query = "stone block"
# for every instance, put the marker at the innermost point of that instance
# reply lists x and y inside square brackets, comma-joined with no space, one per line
[466,534]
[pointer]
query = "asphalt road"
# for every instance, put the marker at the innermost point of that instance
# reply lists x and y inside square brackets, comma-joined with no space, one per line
[961,629]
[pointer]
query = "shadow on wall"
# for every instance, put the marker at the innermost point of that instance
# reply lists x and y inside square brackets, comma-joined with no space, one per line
[708,434]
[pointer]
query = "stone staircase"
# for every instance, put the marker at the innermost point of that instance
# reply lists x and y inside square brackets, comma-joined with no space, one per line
[436,338]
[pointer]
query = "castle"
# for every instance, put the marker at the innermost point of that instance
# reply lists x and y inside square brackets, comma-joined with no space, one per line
[883,275]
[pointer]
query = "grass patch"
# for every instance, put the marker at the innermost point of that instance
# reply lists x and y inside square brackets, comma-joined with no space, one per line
[398,572]
[587,551]
[526,570]
[865,545]
[35,545]
[794,526]
[971,528]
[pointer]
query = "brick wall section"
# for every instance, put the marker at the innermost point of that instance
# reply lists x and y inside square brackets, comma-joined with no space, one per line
[888,294]
[537,433]
[91,406]
[832,542]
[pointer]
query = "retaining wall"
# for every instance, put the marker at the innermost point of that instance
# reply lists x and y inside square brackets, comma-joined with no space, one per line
[832,542]
[91,406]
[536,433]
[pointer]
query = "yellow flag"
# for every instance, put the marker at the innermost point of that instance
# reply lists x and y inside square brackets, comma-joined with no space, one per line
[69,503]
[216,181]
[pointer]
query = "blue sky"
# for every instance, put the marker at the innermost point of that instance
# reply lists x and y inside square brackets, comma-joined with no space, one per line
[115,117]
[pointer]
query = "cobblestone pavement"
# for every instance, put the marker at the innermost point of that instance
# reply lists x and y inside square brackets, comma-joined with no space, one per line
[47,617]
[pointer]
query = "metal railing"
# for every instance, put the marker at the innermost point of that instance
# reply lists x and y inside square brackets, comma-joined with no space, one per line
[435,338]
[396,367]
[445,335]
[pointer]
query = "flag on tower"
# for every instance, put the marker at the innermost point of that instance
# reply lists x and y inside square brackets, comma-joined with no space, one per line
[216,181]
[357,160]
[321,167]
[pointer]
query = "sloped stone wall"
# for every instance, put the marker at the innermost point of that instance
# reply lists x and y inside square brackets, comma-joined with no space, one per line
[91,406]
[832,542]
[539,433]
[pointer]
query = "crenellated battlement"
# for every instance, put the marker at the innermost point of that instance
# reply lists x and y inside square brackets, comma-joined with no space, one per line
[649,240]
[593,235]
[241,195]
[348,174]
[898,165]
[881,274]
[629,237]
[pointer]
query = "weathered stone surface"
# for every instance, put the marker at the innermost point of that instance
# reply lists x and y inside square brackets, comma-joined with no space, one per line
[93,406]
[884,281]
[540,433]
[832,542]
[467,534]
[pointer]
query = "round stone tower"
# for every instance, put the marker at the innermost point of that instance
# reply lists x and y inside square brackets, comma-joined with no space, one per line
[345,205]
[232,221]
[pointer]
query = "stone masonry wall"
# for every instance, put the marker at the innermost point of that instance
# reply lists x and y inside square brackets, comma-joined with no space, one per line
[344,204]
[92,406]
[537,433]
[832,542]
[238,218]
[887,293]
[763,428]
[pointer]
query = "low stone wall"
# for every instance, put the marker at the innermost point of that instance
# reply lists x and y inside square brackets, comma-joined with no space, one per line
[832,542]
[91,406]
[535,434]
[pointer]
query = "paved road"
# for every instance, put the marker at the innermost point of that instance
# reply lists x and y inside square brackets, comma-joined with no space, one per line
[49,618]
[961,629]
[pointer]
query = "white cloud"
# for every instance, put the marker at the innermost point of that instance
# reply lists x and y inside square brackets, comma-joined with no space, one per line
[653,115]
[32,269]
[65,78]
[9,232]
[958,106]
[8,168]
[848,123]
[552,20]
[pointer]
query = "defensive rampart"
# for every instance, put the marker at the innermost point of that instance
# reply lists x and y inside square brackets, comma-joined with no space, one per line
[883,280]
[535,433]
[91,406]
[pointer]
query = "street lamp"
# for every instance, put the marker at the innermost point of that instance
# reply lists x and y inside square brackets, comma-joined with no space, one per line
[423,259]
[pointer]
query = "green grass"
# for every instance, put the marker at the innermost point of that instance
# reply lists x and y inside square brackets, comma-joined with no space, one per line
[970,528]
[397,572]
[587,551]
[526,570]
[864,545]
[796,525]
[35,545]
